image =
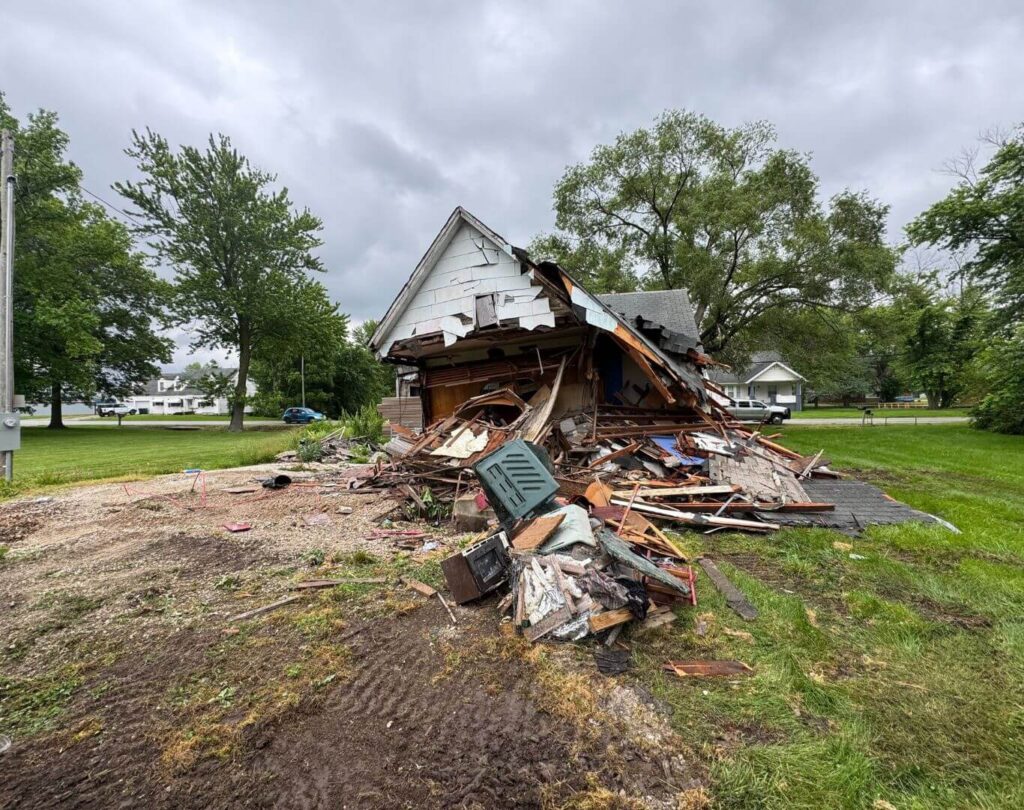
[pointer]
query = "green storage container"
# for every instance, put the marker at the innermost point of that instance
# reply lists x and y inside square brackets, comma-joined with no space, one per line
[516,480]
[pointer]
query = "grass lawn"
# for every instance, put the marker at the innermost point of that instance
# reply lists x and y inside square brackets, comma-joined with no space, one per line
[892,413]
[188,417]
[894,678]
[84,453]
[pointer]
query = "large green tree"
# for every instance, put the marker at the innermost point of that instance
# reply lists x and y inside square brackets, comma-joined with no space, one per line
[342,375]
[983,216]
[240,252]
[944,334]
[86,308]
[725,214]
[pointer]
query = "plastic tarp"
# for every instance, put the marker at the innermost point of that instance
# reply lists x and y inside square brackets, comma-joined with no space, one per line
[669,445]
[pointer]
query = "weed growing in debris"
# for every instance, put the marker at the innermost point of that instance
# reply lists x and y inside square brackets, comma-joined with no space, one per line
[314,557]
[893,676]
[366,423]
[309,451]
[228,582]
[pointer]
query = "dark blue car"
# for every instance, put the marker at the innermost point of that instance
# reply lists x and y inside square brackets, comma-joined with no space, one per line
[302,416]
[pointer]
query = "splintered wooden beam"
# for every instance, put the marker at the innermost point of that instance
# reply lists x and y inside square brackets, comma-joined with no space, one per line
[668,492]
[698,519]
[703,669]
[610,618]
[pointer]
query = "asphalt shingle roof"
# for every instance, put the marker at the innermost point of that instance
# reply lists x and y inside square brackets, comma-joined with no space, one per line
[669,309]
[759,361]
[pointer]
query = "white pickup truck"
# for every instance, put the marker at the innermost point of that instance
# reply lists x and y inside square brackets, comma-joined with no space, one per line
[753,410]
[115,410]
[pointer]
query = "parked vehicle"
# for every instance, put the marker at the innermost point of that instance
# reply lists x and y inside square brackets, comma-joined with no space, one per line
[115,410]
[302,416]
[753,410]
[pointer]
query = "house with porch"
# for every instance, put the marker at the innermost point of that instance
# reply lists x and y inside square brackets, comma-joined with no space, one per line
[174,393]
[768,378]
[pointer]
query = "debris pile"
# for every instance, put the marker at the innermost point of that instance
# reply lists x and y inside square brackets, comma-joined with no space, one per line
[671,466]
[334,448]
[569,575]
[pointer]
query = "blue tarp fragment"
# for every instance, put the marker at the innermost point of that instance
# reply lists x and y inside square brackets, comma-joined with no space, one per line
[668,444]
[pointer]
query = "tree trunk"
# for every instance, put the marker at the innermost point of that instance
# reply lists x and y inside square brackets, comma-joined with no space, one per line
[56,415]
[933,399]
[238,401]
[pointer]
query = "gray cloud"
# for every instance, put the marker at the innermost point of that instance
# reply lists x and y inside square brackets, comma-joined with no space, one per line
[382,117]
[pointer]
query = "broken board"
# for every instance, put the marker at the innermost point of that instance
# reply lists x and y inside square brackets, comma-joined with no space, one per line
[536,532]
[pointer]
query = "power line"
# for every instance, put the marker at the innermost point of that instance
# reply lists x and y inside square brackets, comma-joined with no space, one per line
[111,206]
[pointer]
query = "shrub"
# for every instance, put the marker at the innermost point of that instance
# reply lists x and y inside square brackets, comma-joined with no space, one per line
[309,450]
[366,423]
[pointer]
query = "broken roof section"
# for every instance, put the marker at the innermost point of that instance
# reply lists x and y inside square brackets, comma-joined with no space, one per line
[474,296]
[664,315]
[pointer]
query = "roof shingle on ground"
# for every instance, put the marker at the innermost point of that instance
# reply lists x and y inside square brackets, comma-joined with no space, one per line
[857,506]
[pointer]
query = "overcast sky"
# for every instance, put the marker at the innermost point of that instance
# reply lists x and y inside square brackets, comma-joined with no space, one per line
[382,117]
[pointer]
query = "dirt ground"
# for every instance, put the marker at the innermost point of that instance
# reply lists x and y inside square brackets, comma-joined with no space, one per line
[125,680]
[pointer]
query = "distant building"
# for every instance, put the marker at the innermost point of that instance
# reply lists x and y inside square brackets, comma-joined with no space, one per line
[173,393]
[767,378]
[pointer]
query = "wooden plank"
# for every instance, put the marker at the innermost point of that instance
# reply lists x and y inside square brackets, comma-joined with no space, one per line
[330,583]
[420,587]
[734,597]
[699,519]
[737,506]
[598,494]
[548,623]
[536,532]
[778,448]
[609,618]
[668,492]
[265,609]
[704,669]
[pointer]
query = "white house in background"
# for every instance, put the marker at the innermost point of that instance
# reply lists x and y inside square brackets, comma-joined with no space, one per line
[172,393]
[767,378]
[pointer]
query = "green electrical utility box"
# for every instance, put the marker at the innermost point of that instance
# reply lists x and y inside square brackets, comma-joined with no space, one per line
[517,480]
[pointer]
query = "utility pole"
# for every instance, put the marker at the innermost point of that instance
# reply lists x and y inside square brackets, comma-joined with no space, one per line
[10,429]
[302,373]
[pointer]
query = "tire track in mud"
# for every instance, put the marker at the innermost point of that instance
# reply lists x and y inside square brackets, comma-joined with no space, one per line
[393,735]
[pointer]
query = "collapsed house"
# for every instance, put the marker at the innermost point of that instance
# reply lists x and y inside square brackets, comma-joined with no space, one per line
[612,392]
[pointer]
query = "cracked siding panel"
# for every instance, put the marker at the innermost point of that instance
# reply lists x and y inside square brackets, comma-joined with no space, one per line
[446,301]
[533,321]
[596,316]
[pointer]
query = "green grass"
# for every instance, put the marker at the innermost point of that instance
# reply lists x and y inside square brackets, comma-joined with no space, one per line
[189,417]
[896,677]
[831,412]
[82,453]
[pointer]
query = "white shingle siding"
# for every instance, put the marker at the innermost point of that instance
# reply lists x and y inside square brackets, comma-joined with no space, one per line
[446,300]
